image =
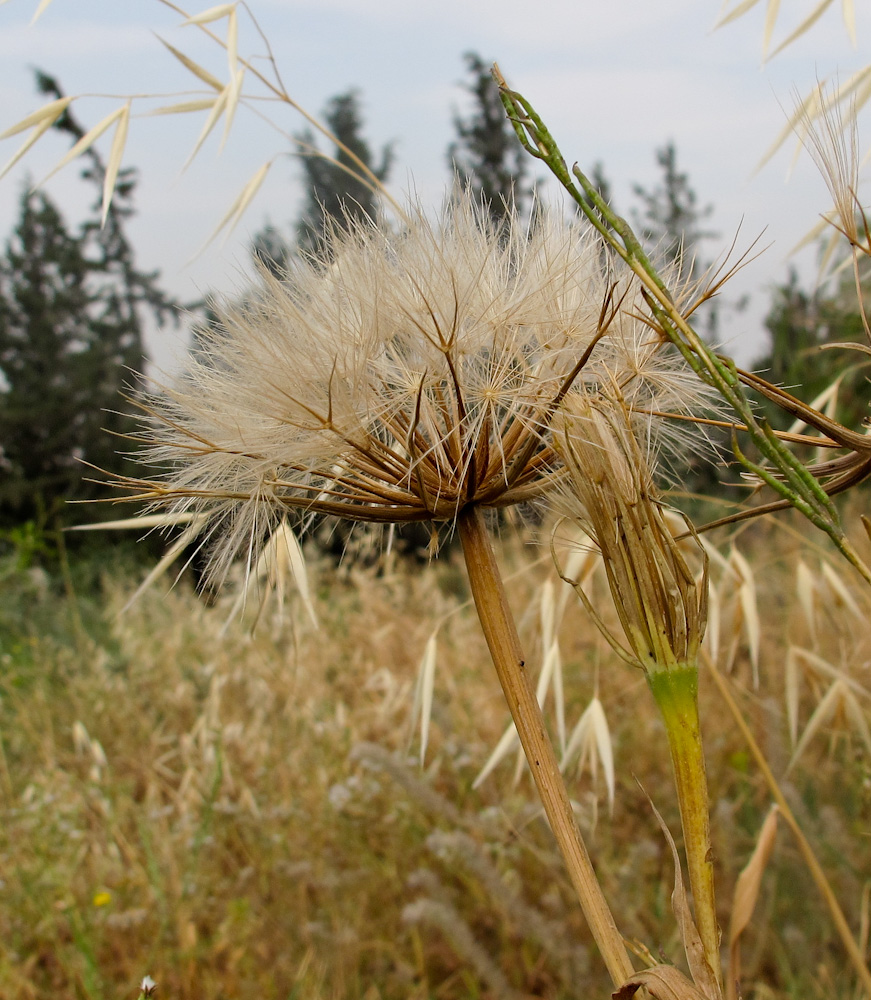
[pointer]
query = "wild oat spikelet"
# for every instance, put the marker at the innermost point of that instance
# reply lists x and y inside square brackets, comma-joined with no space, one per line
[406,376]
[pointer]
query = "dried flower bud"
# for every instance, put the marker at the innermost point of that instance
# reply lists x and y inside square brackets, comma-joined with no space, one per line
[661,604]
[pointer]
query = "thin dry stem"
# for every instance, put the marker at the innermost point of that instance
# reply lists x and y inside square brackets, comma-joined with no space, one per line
[504,644]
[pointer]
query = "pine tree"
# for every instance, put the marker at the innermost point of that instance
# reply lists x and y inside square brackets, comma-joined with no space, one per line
[487,156]
[71,338]
[671,219]
[800,324]
[58,370]
[334,193]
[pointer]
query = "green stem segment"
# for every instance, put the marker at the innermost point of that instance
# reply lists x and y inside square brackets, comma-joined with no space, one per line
[504,644]
[676,693]
[786,475]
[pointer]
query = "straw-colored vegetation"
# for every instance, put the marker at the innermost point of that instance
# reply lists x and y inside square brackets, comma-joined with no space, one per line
[246,815]
[312,808]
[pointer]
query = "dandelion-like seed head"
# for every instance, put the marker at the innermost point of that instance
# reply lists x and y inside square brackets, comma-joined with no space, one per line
[660,602]
[410,373]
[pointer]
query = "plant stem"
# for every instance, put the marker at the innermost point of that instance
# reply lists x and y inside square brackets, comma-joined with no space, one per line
[676,693]
[504,644]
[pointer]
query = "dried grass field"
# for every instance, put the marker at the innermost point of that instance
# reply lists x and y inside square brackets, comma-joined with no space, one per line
[244,812]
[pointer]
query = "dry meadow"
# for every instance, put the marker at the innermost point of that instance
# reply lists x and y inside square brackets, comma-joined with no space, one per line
[242,811]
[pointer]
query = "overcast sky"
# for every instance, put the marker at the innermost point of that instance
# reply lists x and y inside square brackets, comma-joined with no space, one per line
[614,80]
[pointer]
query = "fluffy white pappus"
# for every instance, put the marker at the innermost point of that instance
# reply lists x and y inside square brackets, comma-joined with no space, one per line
[410,372]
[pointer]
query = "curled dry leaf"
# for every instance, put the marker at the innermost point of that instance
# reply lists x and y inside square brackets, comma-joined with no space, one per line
[746,895]
[706,985]
[663,982]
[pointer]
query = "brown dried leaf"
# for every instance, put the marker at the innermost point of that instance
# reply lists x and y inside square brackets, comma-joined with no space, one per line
[747,893]
[663,982]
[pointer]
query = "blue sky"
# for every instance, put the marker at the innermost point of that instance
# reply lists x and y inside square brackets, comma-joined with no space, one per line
[613,80]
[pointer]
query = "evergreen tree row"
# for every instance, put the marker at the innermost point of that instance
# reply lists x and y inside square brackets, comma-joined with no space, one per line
[73,303]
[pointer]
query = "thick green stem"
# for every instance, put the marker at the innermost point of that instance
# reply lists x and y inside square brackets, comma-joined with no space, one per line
[676,693]
[504,644]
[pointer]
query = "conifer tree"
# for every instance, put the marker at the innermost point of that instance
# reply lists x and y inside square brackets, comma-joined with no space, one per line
[671,218]
[800,325]
[334,192]
[72,308]
[127,294]
[57,369]
[487,156]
